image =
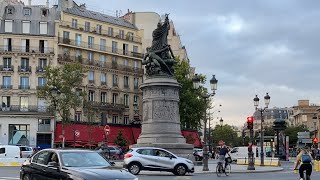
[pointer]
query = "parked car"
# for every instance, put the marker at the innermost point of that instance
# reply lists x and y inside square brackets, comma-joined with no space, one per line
[9,151]
[26,151]
[156,159]
[70,164]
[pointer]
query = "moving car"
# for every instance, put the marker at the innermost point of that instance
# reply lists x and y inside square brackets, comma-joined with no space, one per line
[241,152]
[198,154]
[156,159]
[9,151]
[109,151]
[72,165]
[26,151]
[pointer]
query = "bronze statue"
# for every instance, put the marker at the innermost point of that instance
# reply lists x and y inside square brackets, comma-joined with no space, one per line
[159,59]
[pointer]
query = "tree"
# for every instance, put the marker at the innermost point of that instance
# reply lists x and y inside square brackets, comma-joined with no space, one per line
[292,132]
[227,134]
[120,140]
[192,108]
[66,79]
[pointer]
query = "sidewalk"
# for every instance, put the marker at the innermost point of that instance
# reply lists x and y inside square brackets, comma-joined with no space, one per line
[234,168]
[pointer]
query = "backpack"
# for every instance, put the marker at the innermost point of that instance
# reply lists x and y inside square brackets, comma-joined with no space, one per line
[306,158]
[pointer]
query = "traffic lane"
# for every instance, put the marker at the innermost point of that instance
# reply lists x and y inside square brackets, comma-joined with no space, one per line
[9,173]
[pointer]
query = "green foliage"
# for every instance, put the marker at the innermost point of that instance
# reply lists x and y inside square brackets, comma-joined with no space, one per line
[292,132]
[67,79]
[227,134]
[192,108]
[120,140]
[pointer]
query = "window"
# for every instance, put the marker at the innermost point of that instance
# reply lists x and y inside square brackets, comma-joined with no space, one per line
[10,10]
[6,80]
[130,36]
[125,62]
[77,116]
[103,97]
[25,45]
[24,64]
[26,27]
[121,34]
[7,42]
[135,49]
[103,45]
[126,99]
[91,76]
[7,63]
[103,78]
[135,64]
[114,98]
[99,28]
[41,81]
[90,41]
[24,103]
[43,28]
[90,57]
[2,150]
[44,12]
[5,103]
[125,49]
[126,119]
[66,35]
[8,26]
[110,31]
[87,26]
[114,47]
[115,80]
[115,119]
[42,63]
[26,11]
[74,23]
[43,46]
[91,95]
[102,60]
[24,82]
[135,99]
[43,158]
[136,83]
[19,134]
[78,39]
[126,81]
[145,152]
[42,105]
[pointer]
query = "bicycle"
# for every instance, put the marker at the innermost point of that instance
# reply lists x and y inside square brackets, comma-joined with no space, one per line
[305,177]
[221,169]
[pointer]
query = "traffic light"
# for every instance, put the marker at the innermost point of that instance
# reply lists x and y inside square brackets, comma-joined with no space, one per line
[315,140]
[250,122]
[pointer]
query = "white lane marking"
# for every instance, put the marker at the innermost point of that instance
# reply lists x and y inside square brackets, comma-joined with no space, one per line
[9,178]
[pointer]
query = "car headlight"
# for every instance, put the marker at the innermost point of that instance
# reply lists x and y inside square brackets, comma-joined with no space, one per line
[136,179]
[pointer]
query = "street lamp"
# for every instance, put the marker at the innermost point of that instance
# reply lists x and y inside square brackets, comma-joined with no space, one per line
[221,122]
[315,119]
[213,84]
[261,110]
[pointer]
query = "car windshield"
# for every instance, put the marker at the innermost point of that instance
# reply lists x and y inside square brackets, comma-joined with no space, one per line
[82,159]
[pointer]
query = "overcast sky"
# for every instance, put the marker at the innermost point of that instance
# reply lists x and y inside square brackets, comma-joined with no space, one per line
[252,46]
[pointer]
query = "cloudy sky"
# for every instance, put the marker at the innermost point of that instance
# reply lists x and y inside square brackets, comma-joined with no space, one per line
[252,46]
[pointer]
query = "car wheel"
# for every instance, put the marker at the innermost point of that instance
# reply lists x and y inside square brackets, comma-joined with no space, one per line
[134,168]
[26,177]
[180,170]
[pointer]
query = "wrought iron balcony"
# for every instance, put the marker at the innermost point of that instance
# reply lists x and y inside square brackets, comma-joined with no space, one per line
[103,83]
[21,108]
[102,32]
[24,68]
[6,86]
[26,49]
[91,81]
[107,106]
[41,69]
[24,86]
[97,47]
[6,68]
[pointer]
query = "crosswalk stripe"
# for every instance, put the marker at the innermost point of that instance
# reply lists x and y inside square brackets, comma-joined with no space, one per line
[8,178]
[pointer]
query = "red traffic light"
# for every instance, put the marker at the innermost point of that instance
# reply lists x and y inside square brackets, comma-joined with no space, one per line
[315,140]
[250,119]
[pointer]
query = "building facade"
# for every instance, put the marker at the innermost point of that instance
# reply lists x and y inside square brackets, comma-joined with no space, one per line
[110,48]
[27,46]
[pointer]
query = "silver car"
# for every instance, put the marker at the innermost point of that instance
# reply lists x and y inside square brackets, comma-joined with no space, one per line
[156,159]
[26,151]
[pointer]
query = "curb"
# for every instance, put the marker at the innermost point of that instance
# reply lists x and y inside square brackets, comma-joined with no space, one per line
[239,172]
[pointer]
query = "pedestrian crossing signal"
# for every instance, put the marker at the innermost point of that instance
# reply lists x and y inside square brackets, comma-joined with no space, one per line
[315,140]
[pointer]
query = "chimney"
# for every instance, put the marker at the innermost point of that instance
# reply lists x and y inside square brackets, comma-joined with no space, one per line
[29,2]
[47,4]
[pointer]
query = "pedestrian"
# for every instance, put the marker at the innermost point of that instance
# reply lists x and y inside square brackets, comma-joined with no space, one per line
[304,159]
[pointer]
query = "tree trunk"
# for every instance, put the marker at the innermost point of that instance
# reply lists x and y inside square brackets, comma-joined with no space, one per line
[63,138]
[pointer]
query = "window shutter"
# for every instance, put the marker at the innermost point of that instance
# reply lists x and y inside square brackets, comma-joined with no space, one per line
[43,28]
[26,27]
[8,26]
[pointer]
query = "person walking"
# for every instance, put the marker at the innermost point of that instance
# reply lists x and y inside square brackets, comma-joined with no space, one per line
[304,159]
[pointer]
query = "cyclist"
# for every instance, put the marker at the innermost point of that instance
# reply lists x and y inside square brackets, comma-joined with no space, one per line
[305,159]
[222,154]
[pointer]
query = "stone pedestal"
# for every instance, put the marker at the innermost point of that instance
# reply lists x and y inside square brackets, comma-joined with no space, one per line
[161,119]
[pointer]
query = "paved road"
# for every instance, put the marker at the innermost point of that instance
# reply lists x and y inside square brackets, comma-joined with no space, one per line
[12,173]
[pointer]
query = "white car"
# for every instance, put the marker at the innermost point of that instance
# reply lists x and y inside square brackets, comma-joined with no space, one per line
[156,159]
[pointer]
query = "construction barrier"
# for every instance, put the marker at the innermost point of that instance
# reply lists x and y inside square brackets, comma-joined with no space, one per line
[11,161]
[267,161]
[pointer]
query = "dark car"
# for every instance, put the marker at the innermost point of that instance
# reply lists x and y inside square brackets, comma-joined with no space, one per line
[63,164]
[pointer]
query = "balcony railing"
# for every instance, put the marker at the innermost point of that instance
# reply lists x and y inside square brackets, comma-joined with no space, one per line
[84,61]
[26,49]
[24,68]
[39,87]
[104,105]
[99,47]
[103,32]
[103,83]
[6,68]
[91,81]
[41,69]
[24,87]
[6,86]
[126,86]
[20,108]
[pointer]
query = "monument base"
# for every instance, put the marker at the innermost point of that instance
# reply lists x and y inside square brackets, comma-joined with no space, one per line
[182,150]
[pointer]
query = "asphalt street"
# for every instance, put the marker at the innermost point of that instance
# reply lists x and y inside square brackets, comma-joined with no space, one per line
[12,173]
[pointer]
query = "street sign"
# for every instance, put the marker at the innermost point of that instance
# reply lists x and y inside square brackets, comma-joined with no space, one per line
[107,129]
[77,133]
[303,135]
[306,141]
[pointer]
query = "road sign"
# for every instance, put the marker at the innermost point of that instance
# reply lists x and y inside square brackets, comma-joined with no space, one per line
[107,129]
[303,135]
[77,133]
[306,141]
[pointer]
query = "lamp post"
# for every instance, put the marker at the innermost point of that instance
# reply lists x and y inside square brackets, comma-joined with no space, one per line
[221,122]
[261,110]
[196,84]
